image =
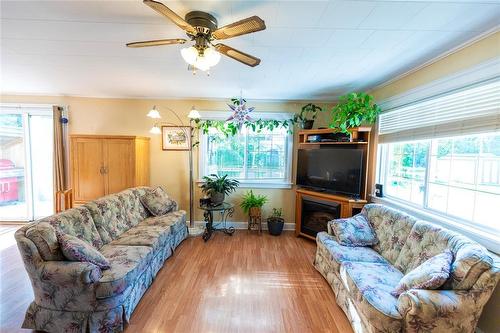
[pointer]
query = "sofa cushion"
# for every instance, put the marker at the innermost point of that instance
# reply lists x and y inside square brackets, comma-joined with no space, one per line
[127,263]
[425,241]
[109,217]
[370,285]
[134,209]
[176,220]
[431,274]
[340,254]
[157,201]
[353,231]
[75,249]
[153,236]
[43,235]
[391,227]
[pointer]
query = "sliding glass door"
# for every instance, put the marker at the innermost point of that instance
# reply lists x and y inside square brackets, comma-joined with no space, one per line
[26,163]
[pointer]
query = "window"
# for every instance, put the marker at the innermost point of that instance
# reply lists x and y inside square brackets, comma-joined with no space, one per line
[257,159]
[458,176]
[26,170]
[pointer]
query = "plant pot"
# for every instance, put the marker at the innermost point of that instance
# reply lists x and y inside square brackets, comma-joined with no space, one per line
[275,226]
[308,124]
[255,212]
[217,198]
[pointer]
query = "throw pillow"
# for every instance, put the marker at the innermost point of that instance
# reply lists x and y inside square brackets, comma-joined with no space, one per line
[354,231]
[431,274]
[158,202]
[75,249]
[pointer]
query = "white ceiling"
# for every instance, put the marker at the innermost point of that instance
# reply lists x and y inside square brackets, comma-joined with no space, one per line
[310,49]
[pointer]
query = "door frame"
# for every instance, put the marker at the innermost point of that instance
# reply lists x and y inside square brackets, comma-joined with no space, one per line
[26,110]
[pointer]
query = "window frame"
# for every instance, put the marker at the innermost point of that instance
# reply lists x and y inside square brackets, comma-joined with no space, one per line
[286,183]
[448,219]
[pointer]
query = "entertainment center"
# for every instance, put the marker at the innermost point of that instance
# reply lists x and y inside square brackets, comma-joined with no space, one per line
[331,177]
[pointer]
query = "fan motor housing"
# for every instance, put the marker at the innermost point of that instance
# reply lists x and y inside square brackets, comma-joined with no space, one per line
[202,21]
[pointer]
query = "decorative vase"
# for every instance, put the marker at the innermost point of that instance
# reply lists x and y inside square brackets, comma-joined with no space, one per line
[275,225]
[217,198]
[308,124]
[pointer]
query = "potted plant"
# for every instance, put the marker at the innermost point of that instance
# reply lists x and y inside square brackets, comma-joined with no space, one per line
[307,116]
[252,204]
[275,222]
[354,109]
[218,187]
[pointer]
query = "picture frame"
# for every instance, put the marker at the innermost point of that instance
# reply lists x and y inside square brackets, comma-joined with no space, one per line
[175,138]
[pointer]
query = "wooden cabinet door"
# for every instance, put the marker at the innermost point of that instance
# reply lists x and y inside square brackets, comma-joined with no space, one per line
[87,169]
[119,163]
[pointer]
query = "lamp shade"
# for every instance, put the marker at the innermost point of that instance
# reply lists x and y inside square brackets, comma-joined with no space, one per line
[155,130]
[194,114]
[153,113]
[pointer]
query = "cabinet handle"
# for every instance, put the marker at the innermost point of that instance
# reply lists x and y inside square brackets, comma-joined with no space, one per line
[101,170]
[105,169]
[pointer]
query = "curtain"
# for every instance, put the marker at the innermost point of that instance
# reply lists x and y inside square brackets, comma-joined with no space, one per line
[60,179]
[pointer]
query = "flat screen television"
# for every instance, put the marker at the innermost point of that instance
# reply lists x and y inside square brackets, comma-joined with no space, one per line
[336,170]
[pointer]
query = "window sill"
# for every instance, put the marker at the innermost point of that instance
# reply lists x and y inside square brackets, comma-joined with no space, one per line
[256,184]
[488,239]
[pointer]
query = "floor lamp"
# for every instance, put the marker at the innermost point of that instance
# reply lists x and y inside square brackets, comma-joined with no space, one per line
[193,116]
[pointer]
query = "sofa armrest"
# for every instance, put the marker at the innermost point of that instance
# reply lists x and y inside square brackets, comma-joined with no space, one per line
[69,272]
[329,228]
[441,310]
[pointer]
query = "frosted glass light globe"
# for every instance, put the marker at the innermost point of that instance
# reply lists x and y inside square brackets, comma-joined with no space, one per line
[190,54]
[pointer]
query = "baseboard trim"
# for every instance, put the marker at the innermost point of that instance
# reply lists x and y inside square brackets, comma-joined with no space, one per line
[243,225]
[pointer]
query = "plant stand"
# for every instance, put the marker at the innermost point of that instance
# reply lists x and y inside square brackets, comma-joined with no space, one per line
[255,219]
[225,210]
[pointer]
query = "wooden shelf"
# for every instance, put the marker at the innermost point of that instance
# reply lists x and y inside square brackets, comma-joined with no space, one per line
[334,143]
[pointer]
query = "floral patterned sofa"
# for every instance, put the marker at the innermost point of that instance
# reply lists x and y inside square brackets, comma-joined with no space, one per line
[74,296]
[363,278]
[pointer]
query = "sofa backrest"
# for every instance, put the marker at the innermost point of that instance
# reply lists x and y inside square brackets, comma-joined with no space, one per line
[76,221]
[116,213]
[392,228]
[427,239]
[131,201]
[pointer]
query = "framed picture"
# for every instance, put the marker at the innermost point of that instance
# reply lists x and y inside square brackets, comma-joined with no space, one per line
[175,138]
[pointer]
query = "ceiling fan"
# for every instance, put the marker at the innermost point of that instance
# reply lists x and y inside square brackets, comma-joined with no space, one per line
[201,28]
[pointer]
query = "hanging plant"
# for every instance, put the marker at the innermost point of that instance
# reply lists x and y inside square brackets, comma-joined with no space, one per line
[354,109]
[240,118]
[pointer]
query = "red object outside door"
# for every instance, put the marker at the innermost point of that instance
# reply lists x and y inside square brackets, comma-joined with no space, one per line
[9,186]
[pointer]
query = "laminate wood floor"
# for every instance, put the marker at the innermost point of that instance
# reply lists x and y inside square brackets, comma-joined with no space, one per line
[239,283]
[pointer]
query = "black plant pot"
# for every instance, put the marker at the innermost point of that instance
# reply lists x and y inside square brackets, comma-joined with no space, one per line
[275,226]
[217,198]
[308,124]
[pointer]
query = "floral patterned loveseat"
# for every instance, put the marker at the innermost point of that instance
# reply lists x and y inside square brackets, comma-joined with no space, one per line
[73,296]
[363,278]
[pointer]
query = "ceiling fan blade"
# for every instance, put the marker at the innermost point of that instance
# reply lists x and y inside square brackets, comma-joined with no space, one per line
[171,15]
[245,26]
[238,55]
[157,42]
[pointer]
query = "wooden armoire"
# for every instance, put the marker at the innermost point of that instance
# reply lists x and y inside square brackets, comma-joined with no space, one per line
[105,164]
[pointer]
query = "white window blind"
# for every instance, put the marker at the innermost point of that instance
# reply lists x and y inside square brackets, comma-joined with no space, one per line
[471,110]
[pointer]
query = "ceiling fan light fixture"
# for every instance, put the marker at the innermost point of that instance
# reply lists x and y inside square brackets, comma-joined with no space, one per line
[202,60]
[153,113]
